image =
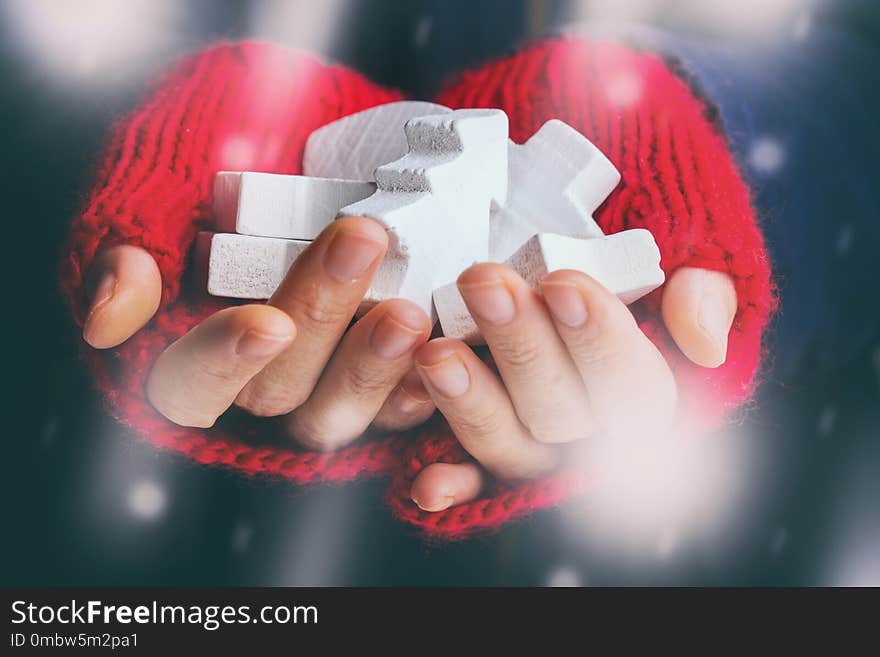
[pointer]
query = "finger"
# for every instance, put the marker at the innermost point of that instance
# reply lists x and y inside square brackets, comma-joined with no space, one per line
[629,384]
[371,360]
[698,308]
[442,485]
[321,292]
[541,379]
[124,287]
[407,406]
[198,377]
[479,411]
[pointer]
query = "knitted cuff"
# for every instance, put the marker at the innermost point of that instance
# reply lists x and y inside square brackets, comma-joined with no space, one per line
[435,443]
[235,107]
[679,180]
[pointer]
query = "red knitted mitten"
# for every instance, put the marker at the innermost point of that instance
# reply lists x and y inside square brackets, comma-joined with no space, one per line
[678,180]
[248,106]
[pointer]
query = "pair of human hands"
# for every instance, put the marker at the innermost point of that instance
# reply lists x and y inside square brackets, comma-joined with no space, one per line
[571,361]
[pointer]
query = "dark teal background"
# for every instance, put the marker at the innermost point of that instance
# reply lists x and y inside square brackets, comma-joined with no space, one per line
[817,416]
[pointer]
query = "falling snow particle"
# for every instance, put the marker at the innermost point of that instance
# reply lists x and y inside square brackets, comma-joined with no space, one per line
[423,31]
[802,26]
[623,89]
[844,240]
[667,543]
[778,541]
[827,420]
[50,431]
[241,537]
[563,577]
[237,154]
[766,155]
[146,500]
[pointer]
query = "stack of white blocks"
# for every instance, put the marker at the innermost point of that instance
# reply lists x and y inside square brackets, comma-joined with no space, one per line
[451,189]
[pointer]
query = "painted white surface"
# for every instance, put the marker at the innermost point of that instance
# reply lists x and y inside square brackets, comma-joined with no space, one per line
[272,205]
[556,179]
[435,202]
[354,146]
[626,263]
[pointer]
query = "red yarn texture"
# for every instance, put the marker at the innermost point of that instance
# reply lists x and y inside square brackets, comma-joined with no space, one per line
[252,106]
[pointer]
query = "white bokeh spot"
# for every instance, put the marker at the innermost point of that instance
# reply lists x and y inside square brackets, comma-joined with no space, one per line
[667,543]
[802,27]
[423,31]
[827,420]
[766,155]
[778,541]
[564,577]
[845,240]
[237,154]
[241,537]
[93,39]
[146,500]
[623,89]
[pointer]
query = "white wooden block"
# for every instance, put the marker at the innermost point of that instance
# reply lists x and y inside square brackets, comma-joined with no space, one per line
[435,202]
[271,205]
[355,145]
[556,179]
[627,263]
[249,267]
[243,266]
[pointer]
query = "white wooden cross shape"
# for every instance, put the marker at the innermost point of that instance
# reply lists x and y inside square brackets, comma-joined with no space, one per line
[457,192]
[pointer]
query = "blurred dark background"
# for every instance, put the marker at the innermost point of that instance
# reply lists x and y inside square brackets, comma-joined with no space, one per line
[790,494]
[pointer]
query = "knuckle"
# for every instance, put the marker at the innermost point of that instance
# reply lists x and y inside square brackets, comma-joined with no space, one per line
[320,312]
[599,353]
[519,351]
[213,370]
[366,381]
[481,425]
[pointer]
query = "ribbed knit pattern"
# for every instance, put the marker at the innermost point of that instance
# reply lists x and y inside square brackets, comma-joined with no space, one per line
[252,106]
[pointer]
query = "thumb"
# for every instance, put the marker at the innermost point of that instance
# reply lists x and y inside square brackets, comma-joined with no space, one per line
[698,309]
[124,287]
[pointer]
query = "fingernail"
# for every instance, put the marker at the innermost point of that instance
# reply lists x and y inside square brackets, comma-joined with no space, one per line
[103,292]
[713,319]
[566,303]
[259,345]
[449,377]
[349,255]
[406,404]
[411,394]
[490,301]
[101,296]
[391,339]
[442,504]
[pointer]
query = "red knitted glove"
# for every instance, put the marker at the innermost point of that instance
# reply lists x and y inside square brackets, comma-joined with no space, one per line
[678,180]
[248,106]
